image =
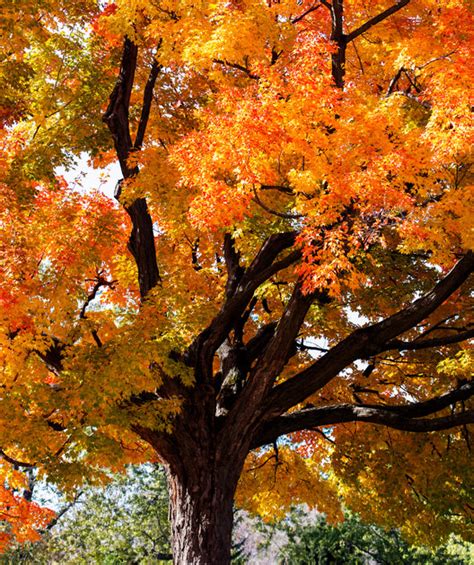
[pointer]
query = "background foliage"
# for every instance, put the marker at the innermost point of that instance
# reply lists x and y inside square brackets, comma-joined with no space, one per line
[127,522]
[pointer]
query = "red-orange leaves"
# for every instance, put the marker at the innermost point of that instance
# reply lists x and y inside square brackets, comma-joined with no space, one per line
[101,27]
[23,519]
[20,519]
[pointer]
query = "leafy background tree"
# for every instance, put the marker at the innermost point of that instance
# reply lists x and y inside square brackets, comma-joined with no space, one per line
[123,522]
[354,542]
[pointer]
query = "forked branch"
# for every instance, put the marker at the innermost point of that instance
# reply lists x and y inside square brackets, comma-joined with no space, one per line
[342,39]
[142,242]
[239,294]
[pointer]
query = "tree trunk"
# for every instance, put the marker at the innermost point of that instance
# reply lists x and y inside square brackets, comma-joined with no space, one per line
[201,508]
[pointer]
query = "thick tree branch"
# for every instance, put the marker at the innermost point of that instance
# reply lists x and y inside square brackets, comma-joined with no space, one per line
[117,114]
[409,417]
[146,106]
[366,342]
[232,261]
[262,268]
[247,411]
[259,342]
[345,414]
[376,19]
[142,242]
[14,461]
[342,40]
[420,309]
[435,404]
[142,246]
[279,349]
[426,343]
[338,58]
[269,251]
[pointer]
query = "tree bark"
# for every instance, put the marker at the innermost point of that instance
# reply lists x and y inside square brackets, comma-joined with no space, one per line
[338,58]
[201,511]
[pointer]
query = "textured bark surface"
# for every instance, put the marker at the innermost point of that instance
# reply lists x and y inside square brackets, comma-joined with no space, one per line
[201,517]
[203,471]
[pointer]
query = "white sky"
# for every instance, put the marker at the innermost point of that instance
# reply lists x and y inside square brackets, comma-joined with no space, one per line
[83,177]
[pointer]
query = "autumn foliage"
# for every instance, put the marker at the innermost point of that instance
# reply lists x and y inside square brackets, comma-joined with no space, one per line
[293,171]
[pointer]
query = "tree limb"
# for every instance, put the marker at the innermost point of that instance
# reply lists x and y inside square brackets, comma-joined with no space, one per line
[426,343]
[366,342]
[285,215]
[262,268]
[53,356]
[100,282]
[338,58]
[232,261]
[409,417]
[311,9]
[376,19]
[146,106]
[247,411]
[117,114]
[62,512]
[142,242]
[14,461]
[238,67]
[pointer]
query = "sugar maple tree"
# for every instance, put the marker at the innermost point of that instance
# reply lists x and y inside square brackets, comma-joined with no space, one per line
[297,192]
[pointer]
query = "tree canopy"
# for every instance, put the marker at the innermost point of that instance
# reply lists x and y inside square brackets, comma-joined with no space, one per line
[288,254]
